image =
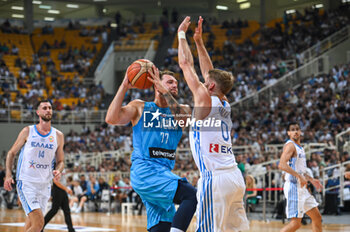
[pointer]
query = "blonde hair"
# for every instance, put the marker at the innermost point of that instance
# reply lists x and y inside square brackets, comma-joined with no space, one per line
[223,79]
[252,184]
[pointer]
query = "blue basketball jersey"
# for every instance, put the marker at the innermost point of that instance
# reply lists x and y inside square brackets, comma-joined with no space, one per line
[156,136]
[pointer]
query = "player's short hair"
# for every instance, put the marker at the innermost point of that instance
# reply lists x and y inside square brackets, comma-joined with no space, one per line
[223,79]
[41,101]
[166,72]
[290,124]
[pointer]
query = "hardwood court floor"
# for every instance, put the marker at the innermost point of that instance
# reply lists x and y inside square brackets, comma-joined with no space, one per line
[116,222]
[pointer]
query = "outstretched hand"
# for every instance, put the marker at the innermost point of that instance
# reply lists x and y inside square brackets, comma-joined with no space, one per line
[199,30]
[185,24]
[155,79]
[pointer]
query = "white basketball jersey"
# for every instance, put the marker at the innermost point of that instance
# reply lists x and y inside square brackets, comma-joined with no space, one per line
[297,163]
[37,157]
[211,145]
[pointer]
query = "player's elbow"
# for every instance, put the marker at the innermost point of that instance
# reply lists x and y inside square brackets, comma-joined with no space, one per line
[280,166]
[112,120]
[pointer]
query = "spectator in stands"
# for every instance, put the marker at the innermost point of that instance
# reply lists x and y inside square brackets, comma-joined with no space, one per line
[90,194]
[14,50]
[251,195]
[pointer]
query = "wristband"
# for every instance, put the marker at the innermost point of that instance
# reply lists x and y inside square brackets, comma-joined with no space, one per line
[181,35]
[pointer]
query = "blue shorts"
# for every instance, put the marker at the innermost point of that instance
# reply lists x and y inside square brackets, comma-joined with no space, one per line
[156,186]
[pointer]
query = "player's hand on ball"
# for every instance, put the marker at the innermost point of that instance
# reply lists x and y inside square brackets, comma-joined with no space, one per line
[198,31]
[155,79]
[8,183]
[126,83]
[56,175]
[185,24]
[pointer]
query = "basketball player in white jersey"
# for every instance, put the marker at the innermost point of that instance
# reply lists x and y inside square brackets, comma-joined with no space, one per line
[40,146]
[299,200]
[221,185]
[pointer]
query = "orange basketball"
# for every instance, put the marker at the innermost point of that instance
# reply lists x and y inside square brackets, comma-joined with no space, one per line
[138,72]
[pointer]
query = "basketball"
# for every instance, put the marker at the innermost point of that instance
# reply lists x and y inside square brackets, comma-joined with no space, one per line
[138,72]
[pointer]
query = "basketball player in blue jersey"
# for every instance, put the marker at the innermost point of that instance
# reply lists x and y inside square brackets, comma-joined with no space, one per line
[40,146]
[221,185]
[299,200]
[155,138]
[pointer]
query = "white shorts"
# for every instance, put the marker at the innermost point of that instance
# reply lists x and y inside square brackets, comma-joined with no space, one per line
[299,200]
[33,195]
[220,202]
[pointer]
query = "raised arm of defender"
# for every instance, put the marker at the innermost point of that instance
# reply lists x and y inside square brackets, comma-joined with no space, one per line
[204,59]
[200,93]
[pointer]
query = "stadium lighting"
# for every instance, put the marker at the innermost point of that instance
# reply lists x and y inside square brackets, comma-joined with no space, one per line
[319,5]
[37,2]
[240,1]
[345,1]
[49,19]
[100,0]
[245,5]
[53,11]
[113,25]
[291,11]
[46,7]
[220,7]
[17,7]
[20,16]
[72,6]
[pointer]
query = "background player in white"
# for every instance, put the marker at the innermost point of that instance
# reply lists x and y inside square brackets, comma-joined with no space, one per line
[40,145]
[299,200]
[221,185]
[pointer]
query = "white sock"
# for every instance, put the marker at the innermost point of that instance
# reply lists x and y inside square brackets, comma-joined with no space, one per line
[175,230]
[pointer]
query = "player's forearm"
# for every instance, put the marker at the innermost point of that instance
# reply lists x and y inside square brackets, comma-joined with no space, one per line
[204,58]
[60,166]
[174,105]
[308,178]
[114,110]
[9,162]
[184,54]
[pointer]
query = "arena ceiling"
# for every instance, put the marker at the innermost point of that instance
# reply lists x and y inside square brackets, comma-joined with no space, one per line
[107,8]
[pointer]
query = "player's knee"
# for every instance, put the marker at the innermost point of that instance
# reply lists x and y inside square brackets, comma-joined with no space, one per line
[38,224]
[296,224]
[317,218]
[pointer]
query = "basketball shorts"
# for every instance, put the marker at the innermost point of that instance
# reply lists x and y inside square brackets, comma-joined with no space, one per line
[299,200]
[220,202]
[33,195]
[156,186]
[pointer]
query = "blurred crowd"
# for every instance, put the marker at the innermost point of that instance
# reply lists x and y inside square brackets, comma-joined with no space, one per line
[256,65]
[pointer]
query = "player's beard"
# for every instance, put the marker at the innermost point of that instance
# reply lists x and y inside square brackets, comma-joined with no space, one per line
[46,118]
[174,94]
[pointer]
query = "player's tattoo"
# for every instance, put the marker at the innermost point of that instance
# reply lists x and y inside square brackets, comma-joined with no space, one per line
[173,104]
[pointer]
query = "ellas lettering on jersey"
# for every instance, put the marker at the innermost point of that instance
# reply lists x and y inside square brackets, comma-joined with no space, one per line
[42,145]
[218,148]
